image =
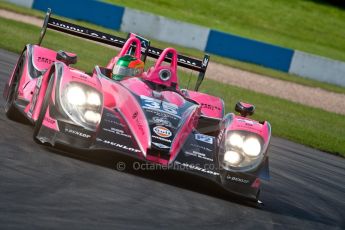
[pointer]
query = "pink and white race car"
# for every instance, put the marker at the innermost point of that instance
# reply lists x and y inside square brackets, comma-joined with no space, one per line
[146,116]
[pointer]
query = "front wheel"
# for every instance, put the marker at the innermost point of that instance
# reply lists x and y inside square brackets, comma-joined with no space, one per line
[10,107]
[43,110]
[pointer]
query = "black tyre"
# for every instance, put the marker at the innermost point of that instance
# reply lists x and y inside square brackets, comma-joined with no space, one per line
[10,107]
[45,103]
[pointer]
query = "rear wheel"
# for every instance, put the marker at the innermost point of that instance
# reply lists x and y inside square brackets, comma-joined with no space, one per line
[10,107]
[43,110]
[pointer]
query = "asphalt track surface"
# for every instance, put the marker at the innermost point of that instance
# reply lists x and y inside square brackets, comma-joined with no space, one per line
[42,188]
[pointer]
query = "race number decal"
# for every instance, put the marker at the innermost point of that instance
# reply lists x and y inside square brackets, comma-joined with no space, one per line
[155,104]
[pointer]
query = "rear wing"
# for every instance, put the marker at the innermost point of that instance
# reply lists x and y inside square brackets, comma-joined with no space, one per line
[79,31]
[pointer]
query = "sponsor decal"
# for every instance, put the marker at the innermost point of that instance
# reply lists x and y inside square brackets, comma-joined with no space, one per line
[118,145]
[51,121]
[237,179]
[77,133]
[117,131]
[80,30]
[204,138]
[45,60]
[135,114]
[138,122]
[162,131]
[68,27]
[161,121]
[247,122]
[182,60]
[114,122]
[163,115]
[161,139]
[197,167]
[84,77]
[210,107]
[199,155]
[110,115]
[202,147]
[159,145]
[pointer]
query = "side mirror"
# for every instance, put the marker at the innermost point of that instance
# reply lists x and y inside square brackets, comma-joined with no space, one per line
[66,58]
[244,109]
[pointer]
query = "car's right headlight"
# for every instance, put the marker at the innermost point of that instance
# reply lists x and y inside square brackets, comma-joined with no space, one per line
[241,151]
[83,104]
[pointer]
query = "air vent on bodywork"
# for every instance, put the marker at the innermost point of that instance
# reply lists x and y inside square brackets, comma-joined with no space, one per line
[154,151]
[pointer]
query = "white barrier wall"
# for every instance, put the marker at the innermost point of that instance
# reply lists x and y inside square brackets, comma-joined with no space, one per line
[164,29]
[25,3]
[318,68]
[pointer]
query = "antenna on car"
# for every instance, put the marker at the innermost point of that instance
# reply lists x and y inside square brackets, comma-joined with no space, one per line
[201,76]
[44,26]
[145,43]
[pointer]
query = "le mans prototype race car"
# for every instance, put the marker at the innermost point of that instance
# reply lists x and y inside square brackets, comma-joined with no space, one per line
[147,117]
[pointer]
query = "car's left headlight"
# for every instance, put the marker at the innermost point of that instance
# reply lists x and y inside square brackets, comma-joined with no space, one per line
[241,151]
[82,104]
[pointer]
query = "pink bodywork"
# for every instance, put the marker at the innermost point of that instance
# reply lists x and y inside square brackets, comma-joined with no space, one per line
[126,47]
[116,95]
[42,59]
[119,95]
[246,124]
[154,72]
[189,125]
[211,106]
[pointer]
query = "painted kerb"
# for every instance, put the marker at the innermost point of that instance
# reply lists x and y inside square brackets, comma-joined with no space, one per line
[318,68]
[25,3]
[164,29]
[248,50]
[99,13]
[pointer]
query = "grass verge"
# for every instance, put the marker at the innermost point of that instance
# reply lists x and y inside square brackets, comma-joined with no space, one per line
[309,126]
[307,25]
[192,52]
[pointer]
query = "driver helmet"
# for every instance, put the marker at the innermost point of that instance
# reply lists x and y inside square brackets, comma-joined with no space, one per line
[127,66]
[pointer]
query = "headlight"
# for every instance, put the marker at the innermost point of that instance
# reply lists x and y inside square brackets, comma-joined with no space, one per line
[76,95]
[92,116]
[252,147]
[93,99]
[241,151]
[235,140]
[82,104]
[232,157]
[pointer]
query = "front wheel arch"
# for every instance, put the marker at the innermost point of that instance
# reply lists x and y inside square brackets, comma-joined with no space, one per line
[44,107]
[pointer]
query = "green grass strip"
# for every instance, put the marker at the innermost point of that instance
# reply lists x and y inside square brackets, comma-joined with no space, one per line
[193,52]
